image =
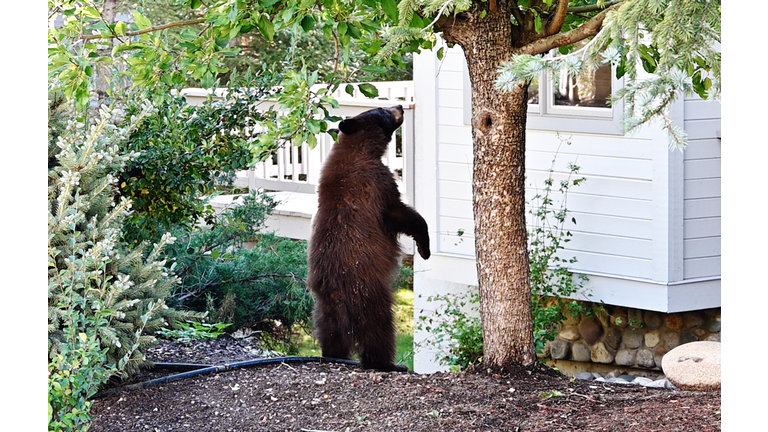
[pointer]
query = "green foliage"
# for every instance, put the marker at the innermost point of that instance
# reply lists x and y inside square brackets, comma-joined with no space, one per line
[457,320]
[263,287]
[102,298]
[183,153]
[190,331]
[636,34]
[551,279]
[80,367]
[456,323]
[160,50]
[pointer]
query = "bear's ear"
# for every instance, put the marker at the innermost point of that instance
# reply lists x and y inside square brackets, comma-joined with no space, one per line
[350,126]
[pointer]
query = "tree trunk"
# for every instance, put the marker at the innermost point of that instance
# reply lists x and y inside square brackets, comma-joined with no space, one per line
[498,130]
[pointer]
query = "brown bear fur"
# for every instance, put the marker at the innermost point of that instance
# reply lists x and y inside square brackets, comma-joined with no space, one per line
[354,251]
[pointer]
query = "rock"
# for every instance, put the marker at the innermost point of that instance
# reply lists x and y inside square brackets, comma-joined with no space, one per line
[692,319]
[633,339]
[612,338]
[645,358]
[619,319]
[658,354]
[580,352]
[652,320]
[569,334]
[642,381]
[652,338]
[674,321]
[559,349]
[590,330]
[713,324]
[635,317]
[585,376]
[600,354]
[694,366]
[661,383]
[625,357]
[671,339]
[688,337]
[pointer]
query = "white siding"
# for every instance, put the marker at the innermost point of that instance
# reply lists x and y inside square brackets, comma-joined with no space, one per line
[647,220]
[613,208]
[701,169]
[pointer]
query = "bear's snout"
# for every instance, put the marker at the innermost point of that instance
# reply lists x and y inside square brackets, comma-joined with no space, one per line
[397,112]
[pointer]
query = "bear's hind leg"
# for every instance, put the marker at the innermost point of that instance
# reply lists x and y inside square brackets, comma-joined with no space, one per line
[334,339]
[377,343]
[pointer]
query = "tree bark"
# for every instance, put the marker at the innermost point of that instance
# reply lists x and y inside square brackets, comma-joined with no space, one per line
[498,130]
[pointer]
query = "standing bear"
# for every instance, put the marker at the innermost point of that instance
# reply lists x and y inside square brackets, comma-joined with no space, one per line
[354,251]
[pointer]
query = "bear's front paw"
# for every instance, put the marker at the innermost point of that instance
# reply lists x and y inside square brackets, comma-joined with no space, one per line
[423,250]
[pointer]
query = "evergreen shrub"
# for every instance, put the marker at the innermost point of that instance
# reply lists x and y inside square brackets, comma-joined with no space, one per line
[262,286]
[103,299]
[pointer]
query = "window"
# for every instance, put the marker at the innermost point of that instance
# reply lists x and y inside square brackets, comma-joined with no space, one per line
[561,103]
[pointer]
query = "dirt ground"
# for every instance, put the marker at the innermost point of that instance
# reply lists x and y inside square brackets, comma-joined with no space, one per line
[312,396]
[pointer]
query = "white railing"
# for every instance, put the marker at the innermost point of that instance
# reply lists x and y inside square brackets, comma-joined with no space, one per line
[297,169]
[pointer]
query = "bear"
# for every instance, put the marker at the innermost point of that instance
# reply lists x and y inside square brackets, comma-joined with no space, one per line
[354,253]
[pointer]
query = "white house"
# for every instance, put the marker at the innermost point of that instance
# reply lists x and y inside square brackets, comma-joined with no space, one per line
[648,219]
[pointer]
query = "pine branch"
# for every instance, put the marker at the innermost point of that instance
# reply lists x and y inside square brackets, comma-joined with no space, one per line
[588,29]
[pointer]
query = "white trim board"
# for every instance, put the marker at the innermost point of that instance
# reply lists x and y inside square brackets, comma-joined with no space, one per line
[634,293]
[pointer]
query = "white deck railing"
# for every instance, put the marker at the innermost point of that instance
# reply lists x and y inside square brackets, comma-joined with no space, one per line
[297,169]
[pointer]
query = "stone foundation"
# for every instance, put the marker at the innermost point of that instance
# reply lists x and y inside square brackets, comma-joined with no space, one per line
[630,338]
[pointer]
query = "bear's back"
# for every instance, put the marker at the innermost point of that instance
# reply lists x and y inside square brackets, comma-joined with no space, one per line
[349,237]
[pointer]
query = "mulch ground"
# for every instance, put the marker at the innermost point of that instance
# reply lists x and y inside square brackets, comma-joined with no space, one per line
[312,396]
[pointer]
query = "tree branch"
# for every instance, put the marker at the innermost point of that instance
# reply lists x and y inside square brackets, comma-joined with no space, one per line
[558,18]
[594,7]
[149,29]
[589,28]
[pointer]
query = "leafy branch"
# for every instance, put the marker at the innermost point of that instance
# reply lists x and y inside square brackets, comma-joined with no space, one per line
[147,30]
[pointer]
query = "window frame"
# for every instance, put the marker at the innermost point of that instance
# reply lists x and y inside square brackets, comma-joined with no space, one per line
[546,116]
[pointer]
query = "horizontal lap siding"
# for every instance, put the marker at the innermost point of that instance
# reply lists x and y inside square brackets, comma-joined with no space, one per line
[613,208]
[701,220]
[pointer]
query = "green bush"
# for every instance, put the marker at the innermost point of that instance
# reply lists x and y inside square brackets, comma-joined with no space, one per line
[103,298]
[263,287]
[193,331]
[183,153]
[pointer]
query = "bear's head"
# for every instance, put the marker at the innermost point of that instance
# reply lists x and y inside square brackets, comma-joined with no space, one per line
[379,120]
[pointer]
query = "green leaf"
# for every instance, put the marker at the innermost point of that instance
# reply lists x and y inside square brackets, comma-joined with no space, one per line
[308,23]
[267,28]
[194,4]
[232,15]
[314,126]
[379,69]
[141,21]
[342,28]
[354,31]
[369,90]
[390,8]
[120,28]
[350,89]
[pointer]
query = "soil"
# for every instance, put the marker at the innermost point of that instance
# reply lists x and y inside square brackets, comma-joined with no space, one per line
[313,396]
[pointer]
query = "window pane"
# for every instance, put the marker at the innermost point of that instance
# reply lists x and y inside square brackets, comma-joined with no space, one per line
[533,92]
[590,89]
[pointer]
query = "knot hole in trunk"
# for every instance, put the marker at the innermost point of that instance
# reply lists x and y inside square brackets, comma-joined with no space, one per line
[484,120]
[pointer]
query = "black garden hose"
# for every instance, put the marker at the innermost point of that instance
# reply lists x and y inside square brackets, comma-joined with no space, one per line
[192,369]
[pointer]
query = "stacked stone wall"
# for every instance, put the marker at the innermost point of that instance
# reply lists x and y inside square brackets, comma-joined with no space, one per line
[630,338]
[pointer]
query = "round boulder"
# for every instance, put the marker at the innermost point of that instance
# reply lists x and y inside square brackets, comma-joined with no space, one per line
[693,366]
